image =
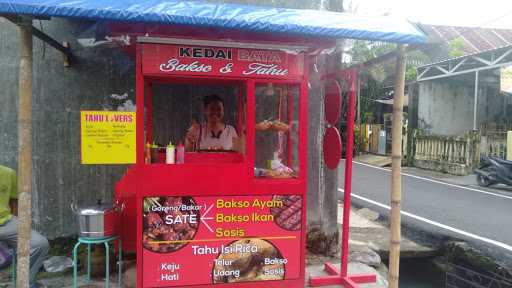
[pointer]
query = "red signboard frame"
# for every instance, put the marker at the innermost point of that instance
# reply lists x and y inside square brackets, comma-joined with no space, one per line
[223,62]
[340,276]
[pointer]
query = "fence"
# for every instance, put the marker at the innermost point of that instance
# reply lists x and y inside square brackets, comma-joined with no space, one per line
[454,155]
[462,277]
[458,155]
[493,141]
[494,145]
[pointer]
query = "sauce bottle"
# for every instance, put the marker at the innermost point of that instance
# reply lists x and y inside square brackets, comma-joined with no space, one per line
[170,154]
[147,153]
[180,153]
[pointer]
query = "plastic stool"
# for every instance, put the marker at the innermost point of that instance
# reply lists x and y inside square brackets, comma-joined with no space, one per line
[105,241]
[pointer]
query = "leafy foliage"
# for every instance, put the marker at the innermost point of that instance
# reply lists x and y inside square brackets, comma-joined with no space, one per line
[363,51]
[410,74]
[456,47]
[377,80]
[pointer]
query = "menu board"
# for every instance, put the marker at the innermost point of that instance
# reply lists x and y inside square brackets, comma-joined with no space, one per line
[108,137]
[223,239]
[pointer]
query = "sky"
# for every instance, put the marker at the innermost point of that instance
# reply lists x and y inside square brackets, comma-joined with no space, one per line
[468,13]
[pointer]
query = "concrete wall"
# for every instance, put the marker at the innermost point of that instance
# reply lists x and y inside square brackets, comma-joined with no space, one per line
[445,106]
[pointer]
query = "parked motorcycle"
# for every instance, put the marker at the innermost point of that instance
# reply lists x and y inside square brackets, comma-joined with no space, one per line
[494,170]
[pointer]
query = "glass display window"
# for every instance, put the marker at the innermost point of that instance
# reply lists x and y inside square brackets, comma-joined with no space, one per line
[206,119]
[277,131]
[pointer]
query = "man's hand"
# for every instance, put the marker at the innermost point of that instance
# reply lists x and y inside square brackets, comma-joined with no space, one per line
[193,132]
[13,203]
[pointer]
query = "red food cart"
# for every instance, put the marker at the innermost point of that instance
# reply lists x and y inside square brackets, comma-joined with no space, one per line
[222,217]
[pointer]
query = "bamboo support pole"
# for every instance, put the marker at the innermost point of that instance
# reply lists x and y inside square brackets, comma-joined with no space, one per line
[396,188]
[24,152]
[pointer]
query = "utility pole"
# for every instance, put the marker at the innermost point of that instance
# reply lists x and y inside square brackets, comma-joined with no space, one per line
[396,167]
[24,152]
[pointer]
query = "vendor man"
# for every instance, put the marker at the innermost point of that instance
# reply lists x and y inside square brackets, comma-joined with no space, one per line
[8,223]
[214,134]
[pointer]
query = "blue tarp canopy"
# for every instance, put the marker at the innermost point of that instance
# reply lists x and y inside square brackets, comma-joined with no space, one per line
[307,23]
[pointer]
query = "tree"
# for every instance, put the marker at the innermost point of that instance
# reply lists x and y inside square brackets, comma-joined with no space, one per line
[456,47]
[377,77]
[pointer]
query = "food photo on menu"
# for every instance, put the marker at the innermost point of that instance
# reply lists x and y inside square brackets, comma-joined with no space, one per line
[245,266]
[166,222]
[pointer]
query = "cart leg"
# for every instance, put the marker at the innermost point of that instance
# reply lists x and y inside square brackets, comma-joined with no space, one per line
[120,271]
[75,264]
[107,264]
[88,262]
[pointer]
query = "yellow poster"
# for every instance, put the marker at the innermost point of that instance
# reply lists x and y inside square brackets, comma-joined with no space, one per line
[506,79]
[108,137]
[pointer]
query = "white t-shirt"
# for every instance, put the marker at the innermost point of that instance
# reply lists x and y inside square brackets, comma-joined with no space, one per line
[224,139]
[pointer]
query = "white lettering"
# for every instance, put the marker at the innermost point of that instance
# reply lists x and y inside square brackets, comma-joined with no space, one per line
[265,69]
[227,69]
[223,262]
[274,261]
[182,207]
[169,266]
[204,250]
[278,271]
[239,248]
[175,65]
[180,219]
[169,277]
[233,273]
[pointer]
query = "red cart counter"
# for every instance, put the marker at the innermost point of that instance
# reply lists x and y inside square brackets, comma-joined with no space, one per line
[230,217]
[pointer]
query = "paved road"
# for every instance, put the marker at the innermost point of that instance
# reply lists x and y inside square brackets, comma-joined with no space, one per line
[472,214]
